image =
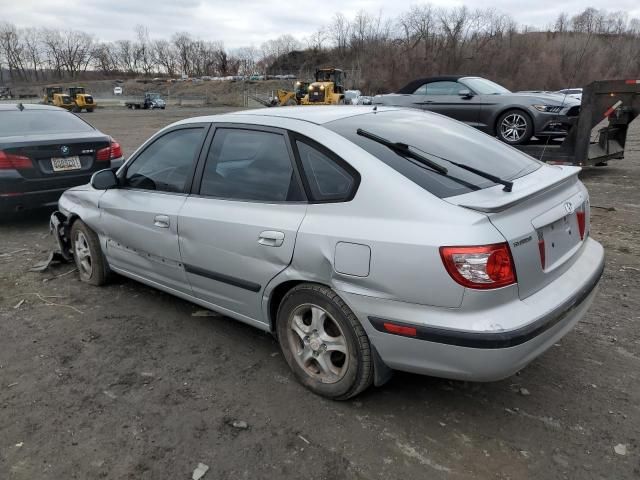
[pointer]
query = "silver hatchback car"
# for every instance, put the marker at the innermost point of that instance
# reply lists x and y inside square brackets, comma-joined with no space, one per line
[367,239]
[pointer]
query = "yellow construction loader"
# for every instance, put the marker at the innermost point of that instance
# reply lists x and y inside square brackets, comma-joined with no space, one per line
[291,97]
[81,99]
[328,88]
[63,100]
[49,92]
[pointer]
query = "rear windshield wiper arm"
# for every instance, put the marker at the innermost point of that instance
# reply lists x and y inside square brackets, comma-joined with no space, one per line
[404,149]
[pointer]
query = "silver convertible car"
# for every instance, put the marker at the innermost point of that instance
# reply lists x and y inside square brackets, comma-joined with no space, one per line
[367,239]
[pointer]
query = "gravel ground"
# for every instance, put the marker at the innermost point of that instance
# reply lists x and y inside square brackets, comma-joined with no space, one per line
[124,382]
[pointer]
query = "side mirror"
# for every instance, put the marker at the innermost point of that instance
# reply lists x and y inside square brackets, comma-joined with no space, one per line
[104,179]
[465,93]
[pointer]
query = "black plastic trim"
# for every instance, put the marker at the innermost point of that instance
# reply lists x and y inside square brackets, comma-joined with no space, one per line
[219,277]
[511,338]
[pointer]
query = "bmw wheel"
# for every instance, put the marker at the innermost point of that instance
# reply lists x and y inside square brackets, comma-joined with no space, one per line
[515,127]
[87,254]
[324,343]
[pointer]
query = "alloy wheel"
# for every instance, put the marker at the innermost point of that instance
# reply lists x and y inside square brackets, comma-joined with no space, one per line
[318,343]
[513,127]
[83,254]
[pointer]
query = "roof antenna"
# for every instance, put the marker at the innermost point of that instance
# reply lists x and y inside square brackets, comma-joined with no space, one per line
[20,107]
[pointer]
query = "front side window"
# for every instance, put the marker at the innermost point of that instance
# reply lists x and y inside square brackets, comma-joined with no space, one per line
[444,88]
[483,86]
[165,164]
[421,90]
[328,181]
[250,165]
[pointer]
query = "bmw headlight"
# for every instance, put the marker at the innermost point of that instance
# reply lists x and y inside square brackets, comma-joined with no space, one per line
[548,108]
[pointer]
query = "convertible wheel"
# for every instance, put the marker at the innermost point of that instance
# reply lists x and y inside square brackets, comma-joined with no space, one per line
[87,254]
[515,127]
[324,343]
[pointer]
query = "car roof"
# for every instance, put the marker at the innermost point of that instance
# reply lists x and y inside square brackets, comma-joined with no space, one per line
[27,106]
[415,84]
[316,114]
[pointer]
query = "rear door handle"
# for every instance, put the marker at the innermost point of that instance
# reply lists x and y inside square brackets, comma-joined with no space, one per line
[161,221]
[271,238]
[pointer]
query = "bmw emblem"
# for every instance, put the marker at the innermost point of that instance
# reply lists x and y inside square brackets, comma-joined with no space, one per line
[65,150]
[568,207]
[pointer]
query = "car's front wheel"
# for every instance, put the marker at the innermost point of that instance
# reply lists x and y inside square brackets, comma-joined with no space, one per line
[87,254]
[324,343]
[515,127]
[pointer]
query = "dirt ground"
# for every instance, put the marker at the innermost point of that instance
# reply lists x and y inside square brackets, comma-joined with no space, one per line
[124,382]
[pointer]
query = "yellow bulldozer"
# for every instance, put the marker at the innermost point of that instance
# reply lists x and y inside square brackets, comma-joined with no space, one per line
[328,88]
[81,100]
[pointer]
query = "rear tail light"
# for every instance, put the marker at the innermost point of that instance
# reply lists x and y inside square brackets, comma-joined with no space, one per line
[9,161]
[109,153]
[581,216]
[481,267]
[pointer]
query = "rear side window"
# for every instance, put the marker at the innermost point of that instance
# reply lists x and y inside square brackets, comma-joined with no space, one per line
[166,163]
[438,138]
[250,165]
[40,122]
[327,180]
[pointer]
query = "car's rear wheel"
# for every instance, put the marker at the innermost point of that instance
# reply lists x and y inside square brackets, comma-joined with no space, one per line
[515,127]
[87,254]
[324,343]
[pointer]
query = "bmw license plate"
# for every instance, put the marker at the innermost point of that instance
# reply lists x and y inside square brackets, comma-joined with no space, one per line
[65,164]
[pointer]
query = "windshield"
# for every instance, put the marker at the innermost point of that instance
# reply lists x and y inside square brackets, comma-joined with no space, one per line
[154,96]
[440,137]
[482,86]
[40,122]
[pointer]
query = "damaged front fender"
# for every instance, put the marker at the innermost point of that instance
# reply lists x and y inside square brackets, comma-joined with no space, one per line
[59,227]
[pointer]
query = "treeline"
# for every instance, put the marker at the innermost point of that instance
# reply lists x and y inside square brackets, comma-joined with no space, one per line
[380,52]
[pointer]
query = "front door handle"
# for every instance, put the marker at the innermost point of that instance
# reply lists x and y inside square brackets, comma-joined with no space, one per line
[271,238]
[161,221]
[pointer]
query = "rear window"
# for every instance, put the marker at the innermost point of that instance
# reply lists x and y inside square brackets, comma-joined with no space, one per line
[436,136]
[40,122]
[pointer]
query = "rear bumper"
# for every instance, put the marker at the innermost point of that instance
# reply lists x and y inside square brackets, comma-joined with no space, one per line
[486,355]
[18,193]
[12,202]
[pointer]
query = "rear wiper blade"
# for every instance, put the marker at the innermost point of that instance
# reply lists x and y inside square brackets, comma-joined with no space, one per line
[406,150]
[508,186]
[403,149]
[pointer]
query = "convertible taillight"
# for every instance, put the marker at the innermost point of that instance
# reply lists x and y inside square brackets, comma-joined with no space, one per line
[9,161]
[109,153]
[481,267]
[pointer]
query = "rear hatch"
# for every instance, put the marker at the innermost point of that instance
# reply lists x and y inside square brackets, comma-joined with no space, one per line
[544,219]
[57,160]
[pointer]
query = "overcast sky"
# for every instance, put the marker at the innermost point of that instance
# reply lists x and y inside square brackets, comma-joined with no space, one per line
[250,22]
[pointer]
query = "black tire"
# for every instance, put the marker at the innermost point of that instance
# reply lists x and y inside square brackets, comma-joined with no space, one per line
[82,237]
[514,127]
[354,366]
[89,110]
